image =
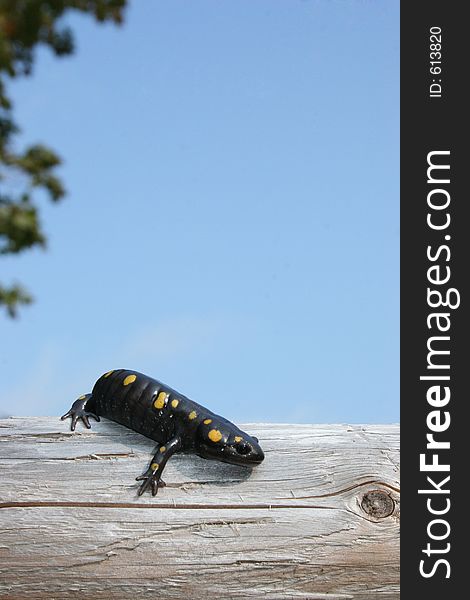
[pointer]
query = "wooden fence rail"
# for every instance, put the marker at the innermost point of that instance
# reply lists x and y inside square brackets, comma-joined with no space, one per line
[318,519]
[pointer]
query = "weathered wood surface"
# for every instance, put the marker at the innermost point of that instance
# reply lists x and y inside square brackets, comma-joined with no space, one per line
[318,519]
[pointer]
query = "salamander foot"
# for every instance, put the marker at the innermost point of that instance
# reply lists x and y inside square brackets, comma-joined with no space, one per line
[150,480]
[78,412]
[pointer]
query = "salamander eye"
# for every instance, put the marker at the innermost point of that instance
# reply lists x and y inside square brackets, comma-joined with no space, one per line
[242,448]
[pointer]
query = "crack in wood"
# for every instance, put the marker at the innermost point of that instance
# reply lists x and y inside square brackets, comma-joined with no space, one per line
[348,489]
[215,506]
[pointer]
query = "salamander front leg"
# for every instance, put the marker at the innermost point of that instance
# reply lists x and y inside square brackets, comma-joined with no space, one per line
[79,411]
[152,477]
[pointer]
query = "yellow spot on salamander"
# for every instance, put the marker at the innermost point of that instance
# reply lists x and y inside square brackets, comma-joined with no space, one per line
[108,373]
[192,415]
[82,397]
[174,403]
[207,421]
[214,435]
[154,466]
[162,449]
[238,438]
[129,379]
[160,401]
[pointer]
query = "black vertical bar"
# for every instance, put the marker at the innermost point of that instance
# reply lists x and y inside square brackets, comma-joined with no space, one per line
[433,74]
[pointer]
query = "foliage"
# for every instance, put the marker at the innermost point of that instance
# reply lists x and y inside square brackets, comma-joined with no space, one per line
[24,25]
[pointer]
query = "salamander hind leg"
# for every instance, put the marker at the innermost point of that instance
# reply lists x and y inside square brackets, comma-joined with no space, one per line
[152,477]
[79,411]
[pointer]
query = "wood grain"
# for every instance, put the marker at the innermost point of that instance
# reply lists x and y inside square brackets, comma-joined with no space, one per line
[318,519]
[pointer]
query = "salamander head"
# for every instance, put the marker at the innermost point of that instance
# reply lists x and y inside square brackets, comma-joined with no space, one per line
[225,442]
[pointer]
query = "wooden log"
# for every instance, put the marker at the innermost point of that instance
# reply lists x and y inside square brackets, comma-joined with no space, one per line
[318,519]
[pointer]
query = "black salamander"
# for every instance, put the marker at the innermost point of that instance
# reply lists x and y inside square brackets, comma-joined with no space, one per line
[162,414]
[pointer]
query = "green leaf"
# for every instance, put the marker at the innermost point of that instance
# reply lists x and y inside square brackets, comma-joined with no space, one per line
[13,296]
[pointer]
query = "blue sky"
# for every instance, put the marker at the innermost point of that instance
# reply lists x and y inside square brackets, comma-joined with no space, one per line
[232,219]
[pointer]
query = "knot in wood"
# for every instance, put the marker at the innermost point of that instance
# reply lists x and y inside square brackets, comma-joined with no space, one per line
[378,504]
